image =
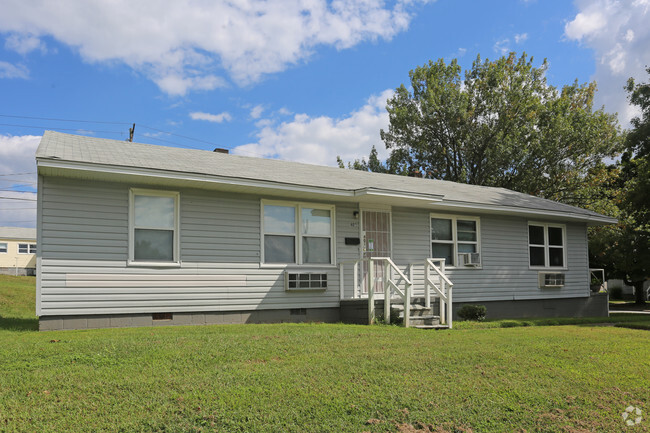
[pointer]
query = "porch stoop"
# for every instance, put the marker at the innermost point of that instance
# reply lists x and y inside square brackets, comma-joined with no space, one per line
[421,317]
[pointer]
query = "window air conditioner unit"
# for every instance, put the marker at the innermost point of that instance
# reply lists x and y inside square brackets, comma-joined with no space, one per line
[304,281]
[469,259]
[550,280]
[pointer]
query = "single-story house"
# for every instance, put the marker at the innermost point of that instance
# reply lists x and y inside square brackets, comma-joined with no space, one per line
[17,251]
[134,234]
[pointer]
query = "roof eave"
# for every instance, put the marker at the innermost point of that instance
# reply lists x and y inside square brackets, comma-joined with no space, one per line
[432,201]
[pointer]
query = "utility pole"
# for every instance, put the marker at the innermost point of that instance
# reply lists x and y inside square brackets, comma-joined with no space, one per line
[131,131]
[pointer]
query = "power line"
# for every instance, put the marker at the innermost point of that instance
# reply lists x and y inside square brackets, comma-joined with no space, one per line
[63,120]
[62,129]
[17,208]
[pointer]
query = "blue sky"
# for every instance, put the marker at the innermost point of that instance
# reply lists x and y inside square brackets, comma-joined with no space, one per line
[296,80]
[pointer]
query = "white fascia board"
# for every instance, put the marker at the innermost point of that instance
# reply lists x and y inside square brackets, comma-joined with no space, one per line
[432,199]
[397,194]
[590,219]
[184,176]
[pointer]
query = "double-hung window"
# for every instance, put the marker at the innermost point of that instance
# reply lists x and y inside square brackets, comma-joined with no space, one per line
[3,247]
[452,236]
[297,233]
[153,230]
[546,245]
[26,248]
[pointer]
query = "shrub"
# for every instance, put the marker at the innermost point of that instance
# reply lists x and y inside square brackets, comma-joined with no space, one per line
[472,312]
[616,292]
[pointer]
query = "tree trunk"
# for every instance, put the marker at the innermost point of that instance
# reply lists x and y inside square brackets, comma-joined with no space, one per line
[639,294]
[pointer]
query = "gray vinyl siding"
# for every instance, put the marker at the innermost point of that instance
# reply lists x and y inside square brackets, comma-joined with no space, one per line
[505,273]
[85,242]
[83,249]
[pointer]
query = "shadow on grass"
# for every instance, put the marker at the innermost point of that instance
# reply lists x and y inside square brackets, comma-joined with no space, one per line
[18,324]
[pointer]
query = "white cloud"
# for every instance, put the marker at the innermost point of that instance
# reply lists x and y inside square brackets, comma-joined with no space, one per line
[24,43]
[619,34]
[502,46]
[188,45]
[318,140]
[16,158]
[256,111]
[521,37]
[216,118]
[7,70]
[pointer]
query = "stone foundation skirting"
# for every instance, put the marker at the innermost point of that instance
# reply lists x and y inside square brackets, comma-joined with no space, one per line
[296,315]
[350,311]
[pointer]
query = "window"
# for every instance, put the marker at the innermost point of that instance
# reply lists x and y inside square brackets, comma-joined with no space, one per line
[26,249]
[546,246]
[297,233]
[153,226]
[452,236]
[3,247]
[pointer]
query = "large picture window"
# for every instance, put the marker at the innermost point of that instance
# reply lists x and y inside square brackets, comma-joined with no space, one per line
[453,236]
[297,233]
[546,246]
[154,226]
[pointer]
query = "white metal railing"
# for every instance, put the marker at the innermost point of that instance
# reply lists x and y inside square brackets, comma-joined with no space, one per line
[395,283]
[443,291]
[356,284]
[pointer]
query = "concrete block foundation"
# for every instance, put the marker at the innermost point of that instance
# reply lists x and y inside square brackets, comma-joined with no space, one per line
[298,315]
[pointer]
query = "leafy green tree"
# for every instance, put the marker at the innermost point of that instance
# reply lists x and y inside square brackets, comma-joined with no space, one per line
[624,249]
[502,125]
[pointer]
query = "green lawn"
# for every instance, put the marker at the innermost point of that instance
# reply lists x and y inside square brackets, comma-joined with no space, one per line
[316,377]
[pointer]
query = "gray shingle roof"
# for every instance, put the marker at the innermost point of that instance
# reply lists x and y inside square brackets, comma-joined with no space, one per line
[18,233]
[90,150]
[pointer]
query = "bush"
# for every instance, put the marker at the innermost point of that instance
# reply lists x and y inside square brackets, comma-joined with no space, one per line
[472,312]
[616,292]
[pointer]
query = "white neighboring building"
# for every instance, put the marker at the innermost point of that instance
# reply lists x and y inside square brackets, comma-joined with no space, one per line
[17,251]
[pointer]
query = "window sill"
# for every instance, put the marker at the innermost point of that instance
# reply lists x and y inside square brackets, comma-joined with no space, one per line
[455,268]
[547,269]
[295,266]
[134,264]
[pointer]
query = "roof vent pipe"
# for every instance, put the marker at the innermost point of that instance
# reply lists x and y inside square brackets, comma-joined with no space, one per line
[221,150]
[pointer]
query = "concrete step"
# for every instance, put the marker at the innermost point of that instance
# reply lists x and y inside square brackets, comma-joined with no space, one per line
[428,320]
[431,326]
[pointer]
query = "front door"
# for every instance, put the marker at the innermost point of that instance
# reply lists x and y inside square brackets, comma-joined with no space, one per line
[375,235]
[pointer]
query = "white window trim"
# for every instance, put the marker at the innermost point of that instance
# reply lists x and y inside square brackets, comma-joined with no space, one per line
[30,250]
[177,235]
[298,206]
[454,241]
[546,246]
[5,248]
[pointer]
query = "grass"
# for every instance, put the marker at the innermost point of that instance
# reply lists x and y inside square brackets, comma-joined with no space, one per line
[316,377]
